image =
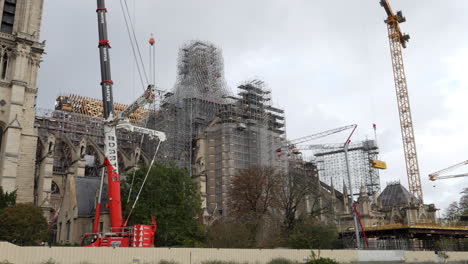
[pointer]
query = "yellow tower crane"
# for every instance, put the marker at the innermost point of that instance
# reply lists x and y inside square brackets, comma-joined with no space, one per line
[398,40]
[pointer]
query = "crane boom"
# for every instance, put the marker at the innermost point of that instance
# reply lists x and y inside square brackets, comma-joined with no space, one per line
[397,40]
[110,136]
[436,175]
[146,98]
[330,146]
[321,134]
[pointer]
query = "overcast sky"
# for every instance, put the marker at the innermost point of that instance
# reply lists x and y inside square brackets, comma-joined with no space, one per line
[326,62]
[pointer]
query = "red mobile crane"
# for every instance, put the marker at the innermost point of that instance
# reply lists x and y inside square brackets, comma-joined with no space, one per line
[120,234]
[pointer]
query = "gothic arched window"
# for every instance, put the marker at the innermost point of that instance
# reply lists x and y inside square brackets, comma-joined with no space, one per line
[54,189]
[4,66]
[8,17]
[1,137]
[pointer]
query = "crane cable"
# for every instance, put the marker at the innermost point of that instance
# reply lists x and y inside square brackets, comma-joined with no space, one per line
[139,60]
[134,43]
[143,184]
[146,176]
[153,73]
[132,36]
[136,162]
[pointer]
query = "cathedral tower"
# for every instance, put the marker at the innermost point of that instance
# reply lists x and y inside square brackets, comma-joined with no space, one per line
[20,55]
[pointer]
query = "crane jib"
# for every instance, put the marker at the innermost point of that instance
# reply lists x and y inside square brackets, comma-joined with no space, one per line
[104,46]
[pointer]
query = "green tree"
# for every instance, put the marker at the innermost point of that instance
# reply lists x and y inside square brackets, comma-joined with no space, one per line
[171,196]
[311,234]
[23,225]
[230,234]
[7,199]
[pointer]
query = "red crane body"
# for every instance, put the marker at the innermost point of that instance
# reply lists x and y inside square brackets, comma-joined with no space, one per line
[115,206]
[120,235]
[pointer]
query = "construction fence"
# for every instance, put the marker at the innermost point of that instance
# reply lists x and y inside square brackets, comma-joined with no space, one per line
[76,255]
[444,244]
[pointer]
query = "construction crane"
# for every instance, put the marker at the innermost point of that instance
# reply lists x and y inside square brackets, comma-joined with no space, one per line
[290,146]
[321,134]
[397,41]
[120,235]
[436,175]
[345,147]
[376,164]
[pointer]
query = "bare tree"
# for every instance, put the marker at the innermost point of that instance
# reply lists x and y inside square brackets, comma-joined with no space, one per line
[464,201]
[452,210]
[253,192]
[300,186]
[254,203]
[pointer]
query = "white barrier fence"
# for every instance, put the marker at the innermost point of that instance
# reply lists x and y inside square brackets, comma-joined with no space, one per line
[77,255]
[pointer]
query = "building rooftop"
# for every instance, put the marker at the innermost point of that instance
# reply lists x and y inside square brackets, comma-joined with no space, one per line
[395,194]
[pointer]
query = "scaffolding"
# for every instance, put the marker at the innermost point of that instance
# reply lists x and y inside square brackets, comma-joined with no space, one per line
[246,133]
[238,131]
[70,128]
[197,97]
[332,166]
[200,73]
[206,124]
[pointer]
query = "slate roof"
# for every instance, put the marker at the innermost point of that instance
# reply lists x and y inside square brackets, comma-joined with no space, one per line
[395,194]
[86,190]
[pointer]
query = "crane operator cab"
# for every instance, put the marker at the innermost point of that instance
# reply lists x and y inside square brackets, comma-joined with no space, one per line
[89,240]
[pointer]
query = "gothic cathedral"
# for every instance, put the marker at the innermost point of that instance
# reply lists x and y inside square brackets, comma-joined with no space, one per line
[20,55]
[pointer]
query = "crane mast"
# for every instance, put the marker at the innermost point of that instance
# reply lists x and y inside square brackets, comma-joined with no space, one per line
[398,40]
[110,137]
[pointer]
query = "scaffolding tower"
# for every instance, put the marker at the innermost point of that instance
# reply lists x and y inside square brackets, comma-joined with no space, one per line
[246,133]
[332,166]
[199,93]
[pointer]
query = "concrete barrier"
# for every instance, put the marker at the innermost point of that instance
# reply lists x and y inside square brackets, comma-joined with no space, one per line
[76,255]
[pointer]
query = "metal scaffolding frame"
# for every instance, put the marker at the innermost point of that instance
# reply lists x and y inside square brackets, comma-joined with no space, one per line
[199,93]
[332,166]
[69,128]
[246,133]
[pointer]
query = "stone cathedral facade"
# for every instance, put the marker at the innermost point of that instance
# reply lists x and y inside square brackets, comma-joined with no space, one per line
[20,55]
